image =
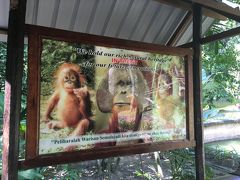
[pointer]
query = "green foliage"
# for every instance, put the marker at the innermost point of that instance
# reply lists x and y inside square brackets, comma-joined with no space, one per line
[1,104]
[108,165]
[235,1]
[209,173]
[140,173]
[25,73]
[218,154]
[29,174]
[3,56]
[182,164]
[221,66]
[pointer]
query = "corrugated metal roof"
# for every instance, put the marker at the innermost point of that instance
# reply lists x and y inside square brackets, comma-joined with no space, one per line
[4,8]
[139,20]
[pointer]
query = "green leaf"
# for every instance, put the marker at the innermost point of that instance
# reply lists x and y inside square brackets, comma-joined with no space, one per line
[29,174]
[1,104]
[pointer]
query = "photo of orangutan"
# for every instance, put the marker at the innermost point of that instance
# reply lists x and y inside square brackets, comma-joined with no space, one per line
[164,100]
[95,97]
[125,92]
[65,97]
[170,108]
[71,100]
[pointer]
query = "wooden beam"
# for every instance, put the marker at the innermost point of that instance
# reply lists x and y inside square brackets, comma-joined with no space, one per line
[215,37]
[222,35]
[197,89]
[75,156]
[3,31]
[12,100]
[221,8]
[187,6]
[186,45]
[180,29]
[176,3]
[14,4]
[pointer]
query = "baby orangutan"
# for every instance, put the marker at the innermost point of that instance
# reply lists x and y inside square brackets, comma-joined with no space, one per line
[71,100]
[169,106]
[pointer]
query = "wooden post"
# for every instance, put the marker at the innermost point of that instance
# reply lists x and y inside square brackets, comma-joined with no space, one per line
[197,67]
[13,85]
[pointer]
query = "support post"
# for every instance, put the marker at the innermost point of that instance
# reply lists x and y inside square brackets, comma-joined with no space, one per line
[13,85]
[197,67]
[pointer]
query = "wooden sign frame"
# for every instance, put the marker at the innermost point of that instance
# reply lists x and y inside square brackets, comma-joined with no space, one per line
[35,36]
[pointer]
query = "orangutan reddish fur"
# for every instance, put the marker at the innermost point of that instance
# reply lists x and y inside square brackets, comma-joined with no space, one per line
[71,100]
